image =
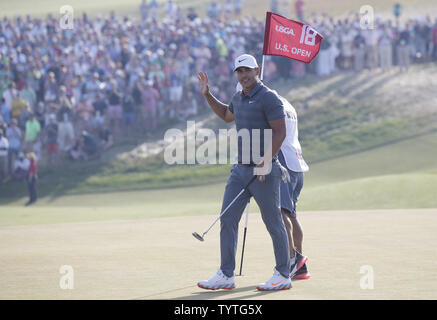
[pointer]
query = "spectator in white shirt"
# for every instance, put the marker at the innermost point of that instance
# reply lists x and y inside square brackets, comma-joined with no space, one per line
[21,166]
[385,48]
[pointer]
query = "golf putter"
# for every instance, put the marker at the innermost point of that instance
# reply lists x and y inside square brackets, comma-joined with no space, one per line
[201,237]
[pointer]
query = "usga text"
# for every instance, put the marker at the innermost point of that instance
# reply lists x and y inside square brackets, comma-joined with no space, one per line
[223,309]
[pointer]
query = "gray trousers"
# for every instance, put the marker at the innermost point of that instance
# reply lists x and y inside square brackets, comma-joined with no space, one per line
[267,196]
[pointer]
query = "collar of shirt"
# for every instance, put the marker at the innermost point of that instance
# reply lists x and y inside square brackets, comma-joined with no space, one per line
[254,90]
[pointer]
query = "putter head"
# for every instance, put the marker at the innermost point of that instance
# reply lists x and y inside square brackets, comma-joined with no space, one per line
[198,236]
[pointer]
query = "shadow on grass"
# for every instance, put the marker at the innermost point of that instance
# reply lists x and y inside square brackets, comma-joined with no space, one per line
[97,177]
[52,182]
[251,291]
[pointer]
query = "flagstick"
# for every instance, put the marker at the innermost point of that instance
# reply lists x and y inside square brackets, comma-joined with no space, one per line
[244,236]
[262,69]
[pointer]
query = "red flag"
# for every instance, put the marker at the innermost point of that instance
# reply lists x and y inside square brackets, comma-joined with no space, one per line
[291,39]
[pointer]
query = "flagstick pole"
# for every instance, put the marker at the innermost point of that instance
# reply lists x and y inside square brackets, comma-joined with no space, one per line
[262,69]
[244,236]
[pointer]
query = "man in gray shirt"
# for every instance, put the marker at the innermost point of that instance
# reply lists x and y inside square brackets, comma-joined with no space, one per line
[257,110]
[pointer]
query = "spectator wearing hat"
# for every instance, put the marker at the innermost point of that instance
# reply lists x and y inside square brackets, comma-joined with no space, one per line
[32,176]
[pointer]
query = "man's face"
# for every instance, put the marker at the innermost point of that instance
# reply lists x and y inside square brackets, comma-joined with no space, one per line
[247,76]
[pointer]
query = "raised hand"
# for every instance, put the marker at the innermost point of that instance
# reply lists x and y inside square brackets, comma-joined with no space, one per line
[203,82]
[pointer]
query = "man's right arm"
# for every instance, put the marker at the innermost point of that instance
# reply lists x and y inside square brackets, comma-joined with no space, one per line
[220,109]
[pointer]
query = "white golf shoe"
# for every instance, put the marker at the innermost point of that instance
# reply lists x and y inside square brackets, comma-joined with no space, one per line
[219,281]
[276,282]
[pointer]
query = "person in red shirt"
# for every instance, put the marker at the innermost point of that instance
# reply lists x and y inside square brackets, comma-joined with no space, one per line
[32,175]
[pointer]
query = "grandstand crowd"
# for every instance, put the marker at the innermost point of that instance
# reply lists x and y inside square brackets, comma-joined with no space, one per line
[70,93]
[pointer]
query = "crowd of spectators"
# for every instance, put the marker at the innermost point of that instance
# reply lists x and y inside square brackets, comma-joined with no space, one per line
[76,91]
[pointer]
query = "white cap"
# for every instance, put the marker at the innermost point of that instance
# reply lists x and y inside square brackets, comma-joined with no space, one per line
[245,60]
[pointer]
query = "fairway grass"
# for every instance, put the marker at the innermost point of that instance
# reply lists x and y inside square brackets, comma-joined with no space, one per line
[159,258]
[388,177]
[415,190]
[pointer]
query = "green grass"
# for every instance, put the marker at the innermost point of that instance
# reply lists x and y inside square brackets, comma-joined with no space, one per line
[141,204]
[121,259]
[402,191]
[411,155]
[388,177]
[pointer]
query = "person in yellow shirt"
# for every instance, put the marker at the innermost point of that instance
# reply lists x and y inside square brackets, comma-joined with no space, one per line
[18,106]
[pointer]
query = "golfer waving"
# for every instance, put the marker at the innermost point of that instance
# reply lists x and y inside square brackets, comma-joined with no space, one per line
[255,109]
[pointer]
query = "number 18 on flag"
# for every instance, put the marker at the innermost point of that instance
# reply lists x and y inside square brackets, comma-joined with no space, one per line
[291,39]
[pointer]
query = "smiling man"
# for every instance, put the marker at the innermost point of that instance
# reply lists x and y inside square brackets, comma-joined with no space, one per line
[255,108]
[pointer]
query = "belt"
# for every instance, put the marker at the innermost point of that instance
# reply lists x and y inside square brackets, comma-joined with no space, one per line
[274,160]
[247,164]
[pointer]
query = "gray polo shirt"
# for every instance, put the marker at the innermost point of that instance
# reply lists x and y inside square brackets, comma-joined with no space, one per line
[254,111]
